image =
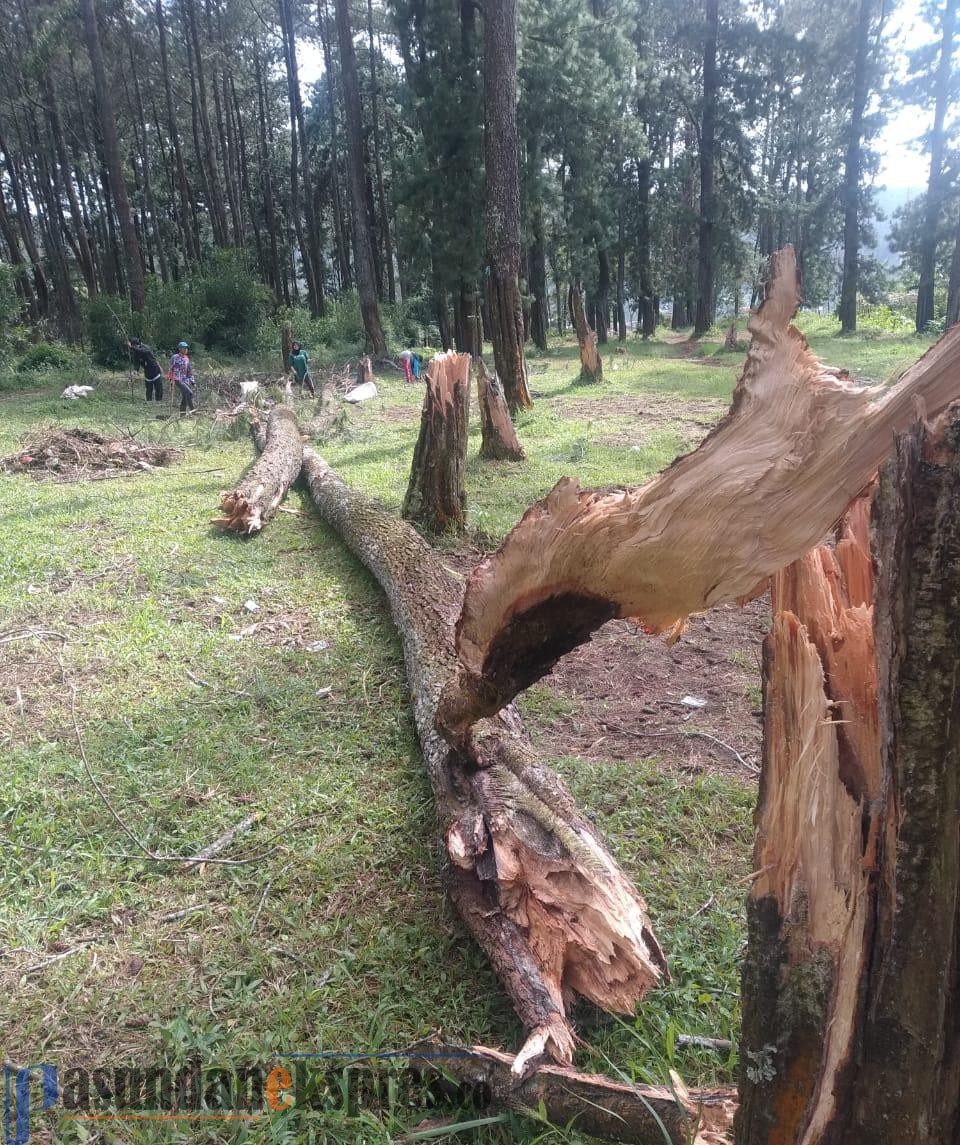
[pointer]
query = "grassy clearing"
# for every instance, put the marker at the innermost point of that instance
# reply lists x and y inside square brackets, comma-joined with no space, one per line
[336,936]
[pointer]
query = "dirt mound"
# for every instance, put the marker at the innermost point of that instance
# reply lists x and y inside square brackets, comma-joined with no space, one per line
[84,454]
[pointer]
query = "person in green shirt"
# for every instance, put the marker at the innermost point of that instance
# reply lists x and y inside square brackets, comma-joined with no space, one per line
[299,363]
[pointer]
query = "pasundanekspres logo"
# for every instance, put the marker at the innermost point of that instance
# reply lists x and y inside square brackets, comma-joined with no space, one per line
[345,1083]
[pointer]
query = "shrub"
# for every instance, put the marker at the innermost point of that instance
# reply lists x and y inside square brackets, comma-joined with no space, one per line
[109,322]
[46,356]
[230,304]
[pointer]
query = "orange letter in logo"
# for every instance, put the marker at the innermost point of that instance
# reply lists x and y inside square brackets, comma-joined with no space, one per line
[279,1083]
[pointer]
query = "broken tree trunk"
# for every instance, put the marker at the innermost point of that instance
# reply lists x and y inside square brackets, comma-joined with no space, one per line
[531,878]
[591,365]
[365,370]
[852,977]
[286,345]
[799,443]
[436,498]
[247,508]
[498,441]
[592,1104]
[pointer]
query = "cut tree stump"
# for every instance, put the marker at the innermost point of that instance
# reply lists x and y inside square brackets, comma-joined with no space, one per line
[286,346]
[255,500]
[365,371]
[436,498]
[498,441]
[591,364]
[530,877]
[851,988]
[799,443]
[592,1104]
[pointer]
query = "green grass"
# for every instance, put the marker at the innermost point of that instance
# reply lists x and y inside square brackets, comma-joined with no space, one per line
[337,936]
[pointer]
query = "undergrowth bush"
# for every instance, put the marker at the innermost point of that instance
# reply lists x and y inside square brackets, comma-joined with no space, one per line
[230,304]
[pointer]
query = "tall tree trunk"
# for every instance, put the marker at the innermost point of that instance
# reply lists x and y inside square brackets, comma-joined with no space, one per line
[601,300]
[363,246]
[277,277]
[207,156]
[621,279]
[706,238]
[108,126]
[343,246]
[852,976]
[851,174]
[56,129]
[953,286]
[502,213]
[540,308]
[300,169]
[933,206]
[184,215]
[378,164]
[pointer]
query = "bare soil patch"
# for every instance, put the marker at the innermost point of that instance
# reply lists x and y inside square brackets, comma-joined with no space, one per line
[84,454]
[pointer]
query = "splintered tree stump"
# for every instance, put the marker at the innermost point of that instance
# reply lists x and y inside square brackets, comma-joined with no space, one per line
[530,876]
[286,345]
[800,441]
[591,365]
[365,370]
[498,441]
[436,498]
[852,976]
[255,500]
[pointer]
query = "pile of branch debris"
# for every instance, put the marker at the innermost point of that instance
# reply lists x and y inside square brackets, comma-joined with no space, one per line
[85,455]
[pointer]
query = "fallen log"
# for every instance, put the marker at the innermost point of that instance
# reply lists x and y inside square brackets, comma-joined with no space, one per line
[589,1103]
[799,443]
[498,435]
[530,877]
[247,508]
[852,974]
[436,497]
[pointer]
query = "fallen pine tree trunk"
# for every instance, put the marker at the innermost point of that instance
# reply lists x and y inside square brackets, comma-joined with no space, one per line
[798,445]
[531,878]
[256,499]
[852,975]
[590,1103]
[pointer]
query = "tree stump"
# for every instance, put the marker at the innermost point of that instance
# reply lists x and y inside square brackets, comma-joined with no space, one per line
[364,370]
[436,498]
[286,346]
[852,975]
[499,441]
[591,365]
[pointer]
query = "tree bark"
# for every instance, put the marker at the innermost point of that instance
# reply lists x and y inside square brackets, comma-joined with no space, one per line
[363,247]
[511,833]
[286,346]
[852,977]
[192,247]
[343,247]
[591,364]
[933,206]
[207,155]
[436,498]
[648,316]
[852,171]
[953,286]
[706,238]
[502,212]
[378,163]
[258,496]
[601,302]
[108,127]
[759,492]
[498,441]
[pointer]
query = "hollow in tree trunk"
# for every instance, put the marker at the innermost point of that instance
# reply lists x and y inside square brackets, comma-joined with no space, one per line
[591,364]
[499,441]
[436,498]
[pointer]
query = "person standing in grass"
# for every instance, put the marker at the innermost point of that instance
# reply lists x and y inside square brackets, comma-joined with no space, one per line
[299,362]
[145,358]
[181,374]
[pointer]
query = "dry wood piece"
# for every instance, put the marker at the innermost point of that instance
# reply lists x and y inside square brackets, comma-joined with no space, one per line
[591,365]
[798,445]
[531,878]
[852,977]
[593,1104]
[499,441]
[221,843]
[436,498]
[255,500]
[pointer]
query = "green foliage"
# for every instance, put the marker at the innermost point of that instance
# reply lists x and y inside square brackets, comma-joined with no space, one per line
[45,356]
[9,304]
[109,323]
[230,305]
